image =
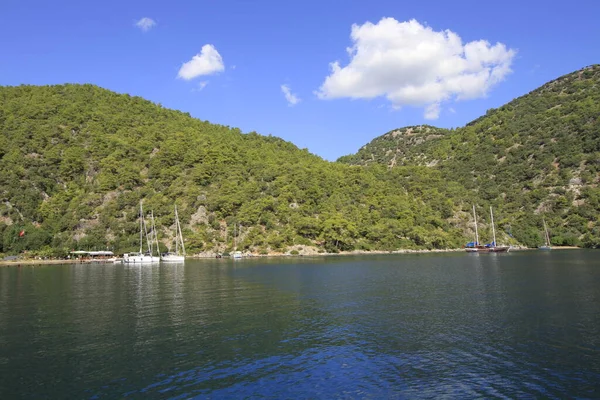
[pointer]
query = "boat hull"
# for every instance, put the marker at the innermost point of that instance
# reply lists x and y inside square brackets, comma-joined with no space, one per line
[497,249]
[141,260]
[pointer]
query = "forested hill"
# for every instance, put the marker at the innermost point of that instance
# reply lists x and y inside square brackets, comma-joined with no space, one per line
[75,161]
[393,147]
[537,155]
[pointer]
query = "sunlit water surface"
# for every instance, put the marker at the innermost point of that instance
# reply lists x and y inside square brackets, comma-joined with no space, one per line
[523,324]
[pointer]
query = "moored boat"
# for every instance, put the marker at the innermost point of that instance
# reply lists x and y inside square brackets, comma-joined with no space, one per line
[141,257]
[493,247]
[475,247]
[179,255]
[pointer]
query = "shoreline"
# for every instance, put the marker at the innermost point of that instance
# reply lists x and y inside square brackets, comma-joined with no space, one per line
[30,262]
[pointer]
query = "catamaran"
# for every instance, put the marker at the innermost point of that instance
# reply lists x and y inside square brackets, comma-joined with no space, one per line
[546,246]
[141,257]
[179,254]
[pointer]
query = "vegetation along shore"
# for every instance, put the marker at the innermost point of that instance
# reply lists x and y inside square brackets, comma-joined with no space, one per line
[75,161]
[54,261]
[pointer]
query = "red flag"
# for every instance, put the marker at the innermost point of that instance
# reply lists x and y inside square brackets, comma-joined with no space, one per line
[22,233]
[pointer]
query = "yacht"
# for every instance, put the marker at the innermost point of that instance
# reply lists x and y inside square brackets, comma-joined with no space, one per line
[179,255]
[142,257]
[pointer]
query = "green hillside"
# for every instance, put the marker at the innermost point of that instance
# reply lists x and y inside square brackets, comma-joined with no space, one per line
[394,147]
[75,160]
[538,155]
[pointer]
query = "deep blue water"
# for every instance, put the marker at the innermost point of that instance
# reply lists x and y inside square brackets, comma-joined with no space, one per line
[517,325]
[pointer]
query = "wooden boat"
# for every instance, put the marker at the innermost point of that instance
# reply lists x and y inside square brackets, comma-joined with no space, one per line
[495,248]
[475,247]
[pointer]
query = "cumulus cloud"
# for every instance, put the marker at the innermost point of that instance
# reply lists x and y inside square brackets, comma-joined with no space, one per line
[207,62]
[291,98]
[411,64]
[145,24]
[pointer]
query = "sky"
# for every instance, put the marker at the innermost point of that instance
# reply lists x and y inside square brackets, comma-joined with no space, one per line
[327,75]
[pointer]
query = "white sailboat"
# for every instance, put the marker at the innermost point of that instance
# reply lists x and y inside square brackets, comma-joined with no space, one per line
[179,255]
[141,257]
[547,245]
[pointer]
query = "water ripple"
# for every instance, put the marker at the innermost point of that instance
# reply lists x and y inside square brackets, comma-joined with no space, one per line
[441,326]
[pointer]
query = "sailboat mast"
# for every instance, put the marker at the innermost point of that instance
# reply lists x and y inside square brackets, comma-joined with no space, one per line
[155,233]
[493,229]
[176,233]
[476,234]
[147,238]
[179,232]
[141,227]
[546,237]
[234,237]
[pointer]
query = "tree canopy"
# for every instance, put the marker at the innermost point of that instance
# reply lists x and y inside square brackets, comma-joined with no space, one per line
[75,160]
[538,155]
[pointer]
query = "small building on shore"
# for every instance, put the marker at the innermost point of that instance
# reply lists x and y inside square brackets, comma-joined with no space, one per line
[93,256]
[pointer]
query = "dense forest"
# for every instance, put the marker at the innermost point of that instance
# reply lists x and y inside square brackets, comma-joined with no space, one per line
[76,160]
[537,156]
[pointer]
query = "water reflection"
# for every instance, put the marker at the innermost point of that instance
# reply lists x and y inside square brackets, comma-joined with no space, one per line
[497,325]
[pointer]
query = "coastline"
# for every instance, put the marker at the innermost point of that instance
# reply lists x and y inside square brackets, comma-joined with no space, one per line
[204,256]
[8,263]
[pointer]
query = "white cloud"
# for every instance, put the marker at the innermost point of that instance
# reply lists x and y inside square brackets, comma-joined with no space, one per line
[201,85]
[207,62]
[145,24]
[432,111]
[411,64]
[291,98]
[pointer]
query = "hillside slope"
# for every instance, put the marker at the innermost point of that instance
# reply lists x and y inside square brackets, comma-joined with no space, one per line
[75,160]
[393,147]
[538,154]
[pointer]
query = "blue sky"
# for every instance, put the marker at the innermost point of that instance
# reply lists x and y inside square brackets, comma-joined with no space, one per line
[262,45]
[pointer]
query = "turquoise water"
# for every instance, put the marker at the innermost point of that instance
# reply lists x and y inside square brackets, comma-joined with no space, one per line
[523,324]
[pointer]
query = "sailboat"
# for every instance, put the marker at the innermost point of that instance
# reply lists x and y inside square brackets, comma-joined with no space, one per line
[473,247]
[236,253]
[141,257]
[546,238]
[179,254]
[493,247]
